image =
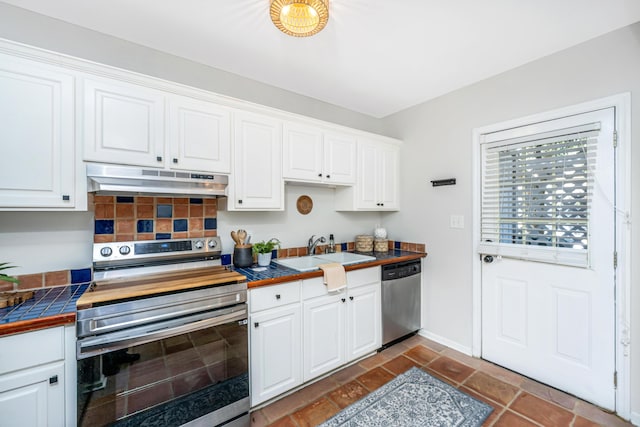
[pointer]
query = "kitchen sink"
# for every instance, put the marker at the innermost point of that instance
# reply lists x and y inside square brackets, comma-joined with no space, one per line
[310,263]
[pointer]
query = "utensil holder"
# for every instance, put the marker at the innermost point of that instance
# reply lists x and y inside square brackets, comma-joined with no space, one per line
[243,256]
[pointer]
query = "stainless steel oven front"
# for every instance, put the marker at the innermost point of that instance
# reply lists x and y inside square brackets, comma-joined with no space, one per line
[179,359]
[162,337]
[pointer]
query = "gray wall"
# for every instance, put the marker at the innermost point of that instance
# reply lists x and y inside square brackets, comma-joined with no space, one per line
[437,144]
[37,30]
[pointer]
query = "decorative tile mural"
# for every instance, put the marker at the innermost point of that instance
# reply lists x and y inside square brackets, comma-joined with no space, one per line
[125,218]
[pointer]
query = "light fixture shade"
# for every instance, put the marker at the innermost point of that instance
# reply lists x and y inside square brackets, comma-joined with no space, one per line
[300,18]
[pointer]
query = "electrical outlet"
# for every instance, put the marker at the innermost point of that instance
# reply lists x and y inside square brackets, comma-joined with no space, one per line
[456,221]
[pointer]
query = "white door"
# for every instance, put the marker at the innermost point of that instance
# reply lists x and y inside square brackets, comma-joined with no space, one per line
[339,158]
[276,364]
[302,153]
[547,244]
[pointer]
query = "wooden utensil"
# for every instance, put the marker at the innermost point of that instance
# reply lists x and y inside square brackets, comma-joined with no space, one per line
[242,236]
[234,236]
[9,299]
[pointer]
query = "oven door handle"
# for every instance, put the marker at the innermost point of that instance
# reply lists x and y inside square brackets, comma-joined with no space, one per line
[94,346]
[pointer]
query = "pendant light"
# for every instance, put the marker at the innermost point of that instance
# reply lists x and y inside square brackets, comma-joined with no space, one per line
[300,18]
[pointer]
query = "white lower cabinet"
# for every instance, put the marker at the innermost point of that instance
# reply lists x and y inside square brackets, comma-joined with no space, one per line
[276,351]
[33,389]
[299,331]
[324,334]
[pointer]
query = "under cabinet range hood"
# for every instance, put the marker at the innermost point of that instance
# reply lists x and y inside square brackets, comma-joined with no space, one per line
[131,180]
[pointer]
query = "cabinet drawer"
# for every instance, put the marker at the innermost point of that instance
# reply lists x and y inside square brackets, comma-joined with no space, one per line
[29,349]
[274,296]
[363,277]
[315,287]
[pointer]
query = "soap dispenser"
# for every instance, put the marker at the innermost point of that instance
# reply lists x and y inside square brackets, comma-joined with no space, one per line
[332,245]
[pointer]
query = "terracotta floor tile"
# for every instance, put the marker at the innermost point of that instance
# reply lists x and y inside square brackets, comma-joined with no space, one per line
[583,422]
[497,409]
[373,361]
[593,413]
[509,419]
[375,378]
[502,374]
[284,406]
[451,369]
[283,422]
[434,345]
[549,393]
[347,374]
[347,394]
[543,412]
[315,413]
[492,388]
[415,340]
[439,376]
[395,350]
[474,362]
[399,365]
[318,389]
[421,354]
[258,419]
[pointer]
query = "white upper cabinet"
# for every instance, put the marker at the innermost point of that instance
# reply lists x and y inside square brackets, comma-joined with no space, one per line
[257,173]
[311,155]
[37,140]
[123,123]
[377,187]
[199,135]
[127,124]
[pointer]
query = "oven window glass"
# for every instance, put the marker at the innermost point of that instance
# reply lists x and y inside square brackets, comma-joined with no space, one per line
[167,382]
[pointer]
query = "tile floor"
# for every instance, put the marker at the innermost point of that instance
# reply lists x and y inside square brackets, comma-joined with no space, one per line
[517,400]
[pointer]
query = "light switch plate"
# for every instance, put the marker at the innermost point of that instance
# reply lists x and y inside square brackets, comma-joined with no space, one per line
[456,221]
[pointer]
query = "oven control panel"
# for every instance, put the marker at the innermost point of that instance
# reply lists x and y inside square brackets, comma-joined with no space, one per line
[149,250]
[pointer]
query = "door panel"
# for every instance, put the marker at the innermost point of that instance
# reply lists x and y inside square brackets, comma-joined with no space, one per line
[554,320]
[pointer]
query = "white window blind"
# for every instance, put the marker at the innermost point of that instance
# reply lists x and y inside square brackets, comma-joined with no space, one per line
[536,193]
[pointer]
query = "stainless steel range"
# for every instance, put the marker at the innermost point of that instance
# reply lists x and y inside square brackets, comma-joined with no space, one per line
[162,337]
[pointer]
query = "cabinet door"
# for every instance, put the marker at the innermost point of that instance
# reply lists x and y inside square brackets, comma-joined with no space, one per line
[37,145]
[389,186]
[33,397]
[257,175]
[302,153]
[339,158]
[364,333]
[123,123]
[199,136]
[275,352]
[324,335]
[368,180]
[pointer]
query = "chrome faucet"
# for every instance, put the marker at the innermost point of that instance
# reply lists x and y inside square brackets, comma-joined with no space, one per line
[311,246]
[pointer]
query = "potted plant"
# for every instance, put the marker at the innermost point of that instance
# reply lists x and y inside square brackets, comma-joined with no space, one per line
[263,249]
[6,277]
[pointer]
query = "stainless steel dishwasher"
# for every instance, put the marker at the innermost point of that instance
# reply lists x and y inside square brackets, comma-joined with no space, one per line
[400,300]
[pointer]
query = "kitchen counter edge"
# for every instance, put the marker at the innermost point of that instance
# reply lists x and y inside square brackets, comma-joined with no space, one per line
[317,273]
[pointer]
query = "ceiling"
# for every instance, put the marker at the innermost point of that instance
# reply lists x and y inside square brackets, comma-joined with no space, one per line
[374,57]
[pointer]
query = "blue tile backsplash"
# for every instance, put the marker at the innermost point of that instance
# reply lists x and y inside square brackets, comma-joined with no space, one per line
[104,226]
[164,211]
[81,276]
[180,225]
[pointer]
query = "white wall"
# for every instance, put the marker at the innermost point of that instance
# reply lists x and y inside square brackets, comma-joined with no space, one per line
[294,229]
[437,144]
[37,30]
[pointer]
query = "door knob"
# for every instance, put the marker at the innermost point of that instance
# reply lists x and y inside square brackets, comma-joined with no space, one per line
[488,259]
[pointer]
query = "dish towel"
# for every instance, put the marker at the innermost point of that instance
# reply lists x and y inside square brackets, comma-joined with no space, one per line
[334,276]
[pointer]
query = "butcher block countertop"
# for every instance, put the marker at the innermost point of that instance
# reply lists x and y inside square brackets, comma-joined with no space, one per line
[275,273]
[118,289]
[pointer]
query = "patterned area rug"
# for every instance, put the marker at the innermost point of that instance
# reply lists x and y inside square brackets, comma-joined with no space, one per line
[414,398]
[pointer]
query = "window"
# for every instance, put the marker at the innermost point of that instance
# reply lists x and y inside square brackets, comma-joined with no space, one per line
[536,195]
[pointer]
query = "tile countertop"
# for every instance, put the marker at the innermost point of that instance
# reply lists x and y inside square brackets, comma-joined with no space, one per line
[57,306]
[275,273]
[49,307]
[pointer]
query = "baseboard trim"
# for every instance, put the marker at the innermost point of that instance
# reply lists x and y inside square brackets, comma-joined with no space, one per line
[445,341]
[635,418]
